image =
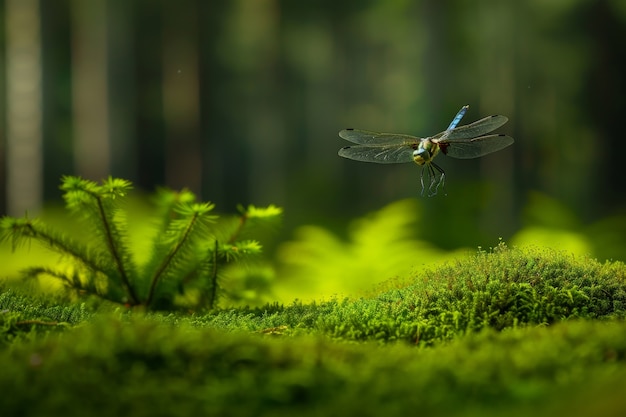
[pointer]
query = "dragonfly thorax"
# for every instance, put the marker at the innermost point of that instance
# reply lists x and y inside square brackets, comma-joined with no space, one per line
[425,152]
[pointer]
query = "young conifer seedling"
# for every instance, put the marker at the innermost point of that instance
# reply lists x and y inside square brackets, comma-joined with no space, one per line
[190,248]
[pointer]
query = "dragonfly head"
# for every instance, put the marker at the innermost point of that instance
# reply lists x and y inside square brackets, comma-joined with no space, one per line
[425,152]
[422,155]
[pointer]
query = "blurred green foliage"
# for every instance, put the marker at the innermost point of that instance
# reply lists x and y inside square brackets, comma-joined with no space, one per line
[549,223]
[379,246]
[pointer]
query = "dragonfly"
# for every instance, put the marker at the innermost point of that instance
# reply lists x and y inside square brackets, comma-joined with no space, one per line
[463,142]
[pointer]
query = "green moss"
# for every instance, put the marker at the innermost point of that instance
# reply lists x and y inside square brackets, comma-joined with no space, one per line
[512,332]
[144,367]
[23,317]
[504,289]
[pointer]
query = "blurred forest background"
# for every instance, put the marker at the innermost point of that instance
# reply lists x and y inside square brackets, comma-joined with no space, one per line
[241,102]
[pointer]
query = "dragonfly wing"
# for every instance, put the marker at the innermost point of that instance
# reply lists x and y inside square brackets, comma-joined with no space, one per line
[385,154]
[474,147]
[472,130]
[364,137]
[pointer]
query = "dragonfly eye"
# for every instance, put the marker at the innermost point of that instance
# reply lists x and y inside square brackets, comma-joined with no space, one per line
[421,156]
[421,153]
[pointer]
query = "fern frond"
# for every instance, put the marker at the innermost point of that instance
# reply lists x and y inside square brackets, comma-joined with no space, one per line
[217,258]
[229,247]
[237,250]
[167,200]
[21,230]
[270,212]
[253,216]
[15,230]
[81,283]
[98,206]
[178,253]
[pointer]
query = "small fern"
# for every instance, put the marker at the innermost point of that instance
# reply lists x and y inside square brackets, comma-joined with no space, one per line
[189,250]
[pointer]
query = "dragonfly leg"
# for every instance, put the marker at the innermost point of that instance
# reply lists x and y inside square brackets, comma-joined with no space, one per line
[436,178]
[442,178]
[432,176]
[422,179]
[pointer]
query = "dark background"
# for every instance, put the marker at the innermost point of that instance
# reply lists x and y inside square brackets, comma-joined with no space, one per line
[241,102]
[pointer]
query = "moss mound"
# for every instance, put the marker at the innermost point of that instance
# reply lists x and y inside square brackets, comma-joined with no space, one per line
[505,333]
[508,288]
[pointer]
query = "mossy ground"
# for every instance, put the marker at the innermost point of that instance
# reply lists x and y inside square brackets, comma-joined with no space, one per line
[506,333]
